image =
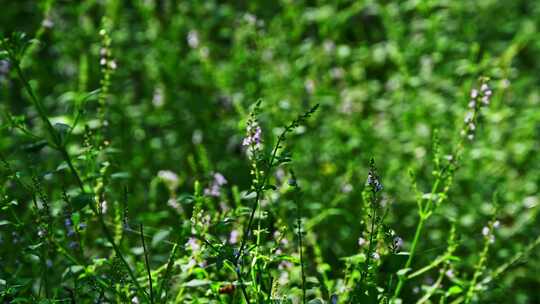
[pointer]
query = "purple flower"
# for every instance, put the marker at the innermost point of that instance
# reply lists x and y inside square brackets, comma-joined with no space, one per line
[233,237]
[253,138]
[193,244]
[215,187]
[373,181]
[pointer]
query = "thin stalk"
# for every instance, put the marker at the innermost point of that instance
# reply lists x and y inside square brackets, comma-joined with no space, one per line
[424,213]
[60,146]
[401,279]
[371,235]
[168,270]
[247,230]
[147,265]
[300,246]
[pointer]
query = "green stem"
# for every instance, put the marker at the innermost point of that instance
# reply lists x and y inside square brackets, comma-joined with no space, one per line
[371,235]
[147,265]
[402,278]
[58,145]
[424,213]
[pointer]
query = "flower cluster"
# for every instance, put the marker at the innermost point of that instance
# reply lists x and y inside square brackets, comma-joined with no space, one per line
[215,187]
[479,98]
[193,39]
[105,55]
[169,178]
[70,231]
[253,139]
[373,179]
[488,231]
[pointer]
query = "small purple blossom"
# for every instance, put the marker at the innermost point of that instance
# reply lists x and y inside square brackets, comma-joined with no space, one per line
[253,138]
[361,241]
[215,187]
[397,243]
[4,67]
[374,182]
[193,244]
[234,236]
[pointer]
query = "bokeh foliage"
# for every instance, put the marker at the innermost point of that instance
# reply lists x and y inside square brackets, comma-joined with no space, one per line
[386,74]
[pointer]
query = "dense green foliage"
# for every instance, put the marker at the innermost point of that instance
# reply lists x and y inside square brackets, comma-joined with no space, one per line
[196,122]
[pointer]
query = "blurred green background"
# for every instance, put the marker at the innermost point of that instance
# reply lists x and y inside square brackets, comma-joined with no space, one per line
[386,75]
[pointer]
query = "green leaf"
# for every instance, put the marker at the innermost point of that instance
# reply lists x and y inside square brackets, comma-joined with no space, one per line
[197,283]
[35,147]
[454,290]
[160,236]
[82,200]
[120,175]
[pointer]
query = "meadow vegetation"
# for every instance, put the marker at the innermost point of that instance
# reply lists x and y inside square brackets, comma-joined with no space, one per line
[165,151]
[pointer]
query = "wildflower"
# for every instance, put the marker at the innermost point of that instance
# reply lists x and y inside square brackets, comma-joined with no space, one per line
[397,243]
[42,232]
[285,265]
[193,39]
[373,180]
[337,73]
[329,46]
[496,224]
[157,98]
[191,263]
[253,138]
[361,241]
[103,206]
[193,244]
[233,237]
[47,23]
[173,203]
[169,178]
[215,188]
[49,263]
[309,86]
[250,18]
[197,137]
[283,278]
[375,256]
[346,188]
[135,300]
[450,273]
[485,231]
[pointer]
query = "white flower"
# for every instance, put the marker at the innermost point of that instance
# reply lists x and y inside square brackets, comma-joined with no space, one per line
[485,231]
[193,39]
[309,85]
[361,241]
[233,237]
[169,178]
[47,23]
